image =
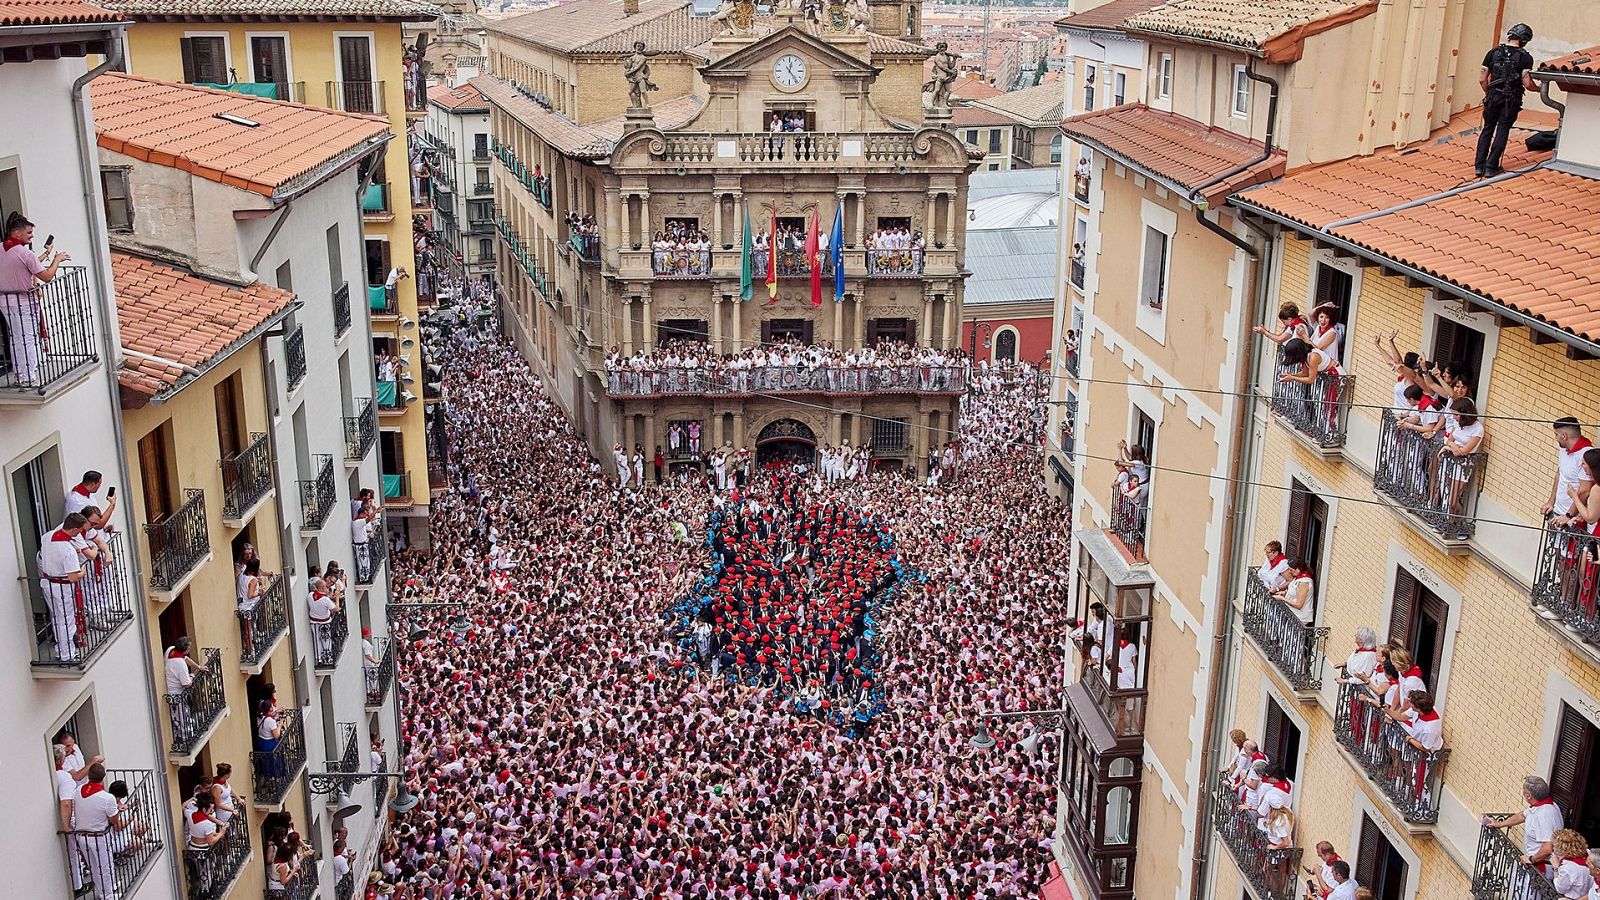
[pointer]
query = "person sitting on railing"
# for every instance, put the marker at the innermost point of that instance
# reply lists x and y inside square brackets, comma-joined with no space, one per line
[1573,879]
[1540,820]
[20,272]
[1291,325]
[1274,572]
[1296,592]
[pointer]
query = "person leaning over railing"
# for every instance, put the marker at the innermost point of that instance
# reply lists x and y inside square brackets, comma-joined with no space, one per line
[1540,821]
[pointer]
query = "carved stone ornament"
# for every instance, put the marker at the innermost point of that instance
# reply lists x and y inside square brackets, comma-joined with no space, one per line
[737,17]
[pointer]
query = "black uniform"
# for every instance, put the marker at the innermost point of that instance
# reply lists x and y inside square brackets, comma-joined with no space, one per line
[1501,103]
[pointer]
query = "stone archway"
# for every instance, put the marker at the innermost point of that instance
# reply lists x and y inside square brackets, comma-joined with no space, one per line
[785,439]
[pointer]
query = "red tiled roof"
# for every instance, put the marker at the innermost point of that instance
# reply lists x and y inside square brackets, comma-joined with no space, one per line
[168,312]
[178,125]
[1272,29]
[1530,242]
[15,13]
[1177,148]
[1582,62]
[972,88]
[1363,184]
[463,97]
[1108,16]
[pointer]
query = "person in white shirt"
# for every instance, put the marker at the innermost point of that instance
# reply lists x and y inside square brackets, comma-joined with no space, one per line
[180,670]
[1541,820]
[321,608]
[95,814]
[1272,571]
[60,571]
[1344,887]
[369,659]
[360,543]
[1297,592]
[86,493]
[66,796]
[1570,444]
[1572,877]
[1363,660]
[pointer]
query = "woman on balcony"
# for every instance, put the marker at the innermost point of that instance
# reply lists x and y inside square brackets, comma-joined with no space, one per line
[1297,590]
[249,597]
[1573,879]
[1306,364]
[1464,436]
[1291,325]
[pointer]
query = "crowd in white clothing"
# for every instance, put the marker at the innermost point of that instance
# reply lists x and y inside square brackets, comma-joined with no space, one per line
[691,367]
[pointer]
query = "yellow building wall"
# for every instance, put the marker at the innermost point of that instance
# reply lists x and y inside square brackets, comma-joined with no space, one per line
[208,603]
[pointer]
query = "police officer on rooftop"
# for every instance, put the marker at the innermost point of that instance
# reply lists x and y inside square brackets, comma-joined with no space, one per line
[1504,77]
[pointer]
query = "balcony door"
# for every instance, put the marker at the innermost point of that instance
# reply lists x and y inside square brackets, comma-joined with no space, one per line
[1280,740]
[269,63]
[1417,622]
[1378,865]
[774,330]
[34,496]
[879,330]
[355,74]
[155,477]
[1574,783]
[1307,528]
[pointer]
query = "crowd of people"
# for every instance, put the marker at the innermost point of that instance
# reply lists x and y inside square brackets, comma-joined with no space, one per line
[585,235]
[692,367]
[570,744]
[681,249]
[895,250]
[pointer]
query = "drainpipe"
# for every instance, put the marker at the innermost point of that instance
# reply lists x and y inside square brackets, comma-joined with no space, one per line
[106,306]
[1553,103]
[1268,145]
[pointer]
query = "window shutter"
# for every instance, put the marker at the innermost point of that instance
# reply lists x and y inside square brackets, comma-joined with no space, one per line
[186,45]
[1368,865]
[1400,617]
[1574,752]
[1325,285]
[872,332]
[1155,256]
[1437,610]
[1272,734]
[806,333]
[910,334]
[1295,533]
[766,332]
[1445,340]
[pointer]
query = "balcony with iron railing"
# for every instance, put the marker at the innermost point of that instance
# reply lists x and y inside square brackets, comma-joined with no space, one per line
[1498,872]
[328,637]
[1272,874]
[369,562]
[681,264]
[341,310]
[481,188]
[194,711]
[1436,490]
[1076,271]
[294,357]
[586,245]
[375,203]
[357,97]
[383,300]
[38,363]
[379,674]
[1319,411]
[1072,363]
[396,488]
[1411,779]
[1129,519]
[179,544]
[345,887]
[360,431]
[833,380]
[1293,644]
[1566,584]
[246,480]
[275,764]
[349,761]
[212,871]
[318,495]
[113,862]
[303,885]
[263,625]
[68,638]
[902,263]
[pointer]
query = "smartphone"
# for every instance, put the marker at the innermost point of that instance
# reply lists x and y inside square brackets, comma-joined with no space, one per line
[49,241]
[111,492]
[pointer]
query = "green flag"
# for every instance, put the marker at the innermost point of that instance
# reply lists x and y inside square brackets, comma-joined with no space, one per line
[745,281]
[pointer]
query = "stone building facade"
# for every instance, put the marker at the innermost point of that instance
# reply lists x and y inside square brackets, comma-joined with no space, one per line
[701,155]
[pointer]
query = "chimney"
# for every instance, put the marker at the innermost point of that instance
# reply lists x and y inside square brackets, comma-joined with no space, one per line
[630,7]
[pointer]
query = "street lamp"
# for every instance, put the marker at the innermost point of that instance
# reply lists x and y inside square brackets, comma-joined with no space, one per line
[1052,718]
[972,352]
[404,801]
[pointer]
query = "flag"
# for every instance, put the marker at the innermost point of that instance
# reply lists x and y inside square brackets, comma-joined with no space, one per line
[814,261]
[836,252]
[746,278]
[772,259]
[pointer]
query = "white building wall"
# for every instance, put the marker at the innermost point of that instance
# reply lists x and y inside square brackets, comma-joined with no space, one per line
[113,698]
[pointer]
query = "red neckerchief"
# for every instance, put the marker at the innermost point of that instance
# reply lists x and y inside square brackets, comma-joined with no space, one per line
[1426,403]
[1545,802]
[13,242]
[199,816]
[1579,445]
[82,491]
[1576,859]
[1413,671]
[61,535]
[1276,560]
[1329,862]
[175,653]
[1428,717]
[1361,649]
[92,788]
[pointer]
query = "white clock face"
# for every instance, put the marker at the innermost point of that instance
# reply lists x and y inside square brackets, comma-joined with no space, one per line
[789,71]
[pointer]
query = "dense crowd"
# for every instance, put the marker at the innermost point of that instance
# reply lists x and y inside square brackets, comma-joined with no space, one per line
[692,367]
[569,746]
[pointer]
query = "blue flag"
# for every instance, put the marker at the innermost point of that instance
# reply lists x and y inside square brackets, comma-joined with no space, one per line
[836,251]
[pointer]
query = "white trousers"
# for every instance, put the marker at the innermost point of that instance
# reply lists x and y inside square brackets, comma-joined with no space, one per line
[102,870]
[22,323]
[62,599]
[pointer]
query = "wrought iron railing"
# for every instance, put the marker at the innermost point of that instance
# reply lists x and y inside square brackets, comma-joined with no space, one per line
[361,430]
[349,760]
[396,486]
[1499,872]
[681,263]
[1320,410]
[246,476]
[1568,578]
[1293,645]
[382,300]
[345,887]
[179,542]
[1439,488]
[69,637]
[211,871]
[1129,520]
[261,625]
[1076,271]
[193,710]
[903,263]
[1273,874]
[389,397]
[328,638]
[587,245]
[380,797]
[109,863]
[789,380]
[357,96]
[341,310]
[318,494]
[304,884]
[1123,708]
[294,357]
[275,770]
[379,674]
[1069,426]
[368,563]
[38,355]
[1409,777]
[1072,363]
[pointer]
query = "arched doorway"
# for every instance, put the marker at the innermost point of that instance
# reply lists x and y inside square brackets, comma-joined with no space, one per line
[1005,345]
[785,440]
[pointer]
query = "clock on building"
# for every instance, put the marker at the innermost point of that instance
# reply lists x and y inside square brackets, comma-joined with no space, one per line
[789,72]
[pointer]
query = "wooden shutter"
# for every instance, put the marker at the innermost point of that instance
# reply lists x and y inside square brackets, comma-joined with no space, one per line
[766,331]
[153,476]
[805,337]
[1446,340]
[1272,734]
[1368,866]
[1155,264]
[1403,613]
[1569,767]
[1437,610]
[872,332]
[1325,292]
[186,47]
[910,326]
[1295,532]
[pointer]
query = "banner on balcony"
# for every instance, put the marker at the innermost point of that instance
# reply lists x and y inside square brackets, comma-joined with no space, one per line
[836,253]
[746,278]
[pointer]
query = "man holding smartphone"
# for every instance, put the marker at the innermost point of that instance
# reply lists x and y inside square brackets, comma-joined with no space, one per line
[20,272]
[85,492]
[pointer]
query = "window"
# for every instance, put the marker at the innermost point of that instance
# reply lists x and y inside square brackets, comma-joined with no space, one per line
[1417,623]
[1119,89]
[284,276]
[480,146]
[1241,93]
[1574,783]
[155,475]
[356,92]
[889,435]
[1005,345]
[483,176]
[1055,149]
[1144,435]
[1088,88]
[377,261]
[890,330]
[1280,739]
[230,416]
[1153,284]
[1308,526]
[993,167]
[972,136]
[335,258]
[1378,865]
[774,330]
[1164,78]
[994,140]
[1461,348]
[693,330]
[37,495]
[1334,286]
[485,249]
[119,199]
[205,60]
[269,63]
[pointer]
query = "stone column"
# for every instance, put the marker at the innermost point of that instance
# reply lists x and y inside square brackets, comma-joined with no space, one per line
[835,427]
[627,326]
[716,222]
[627,433]
[716,320]
[648,338]
[838,326]
[933,231]
[950,317]
[860,323]
[649,439]
[738,436]
[919,442]
[950,220]
[861,218]
[644,217]
[855,429]
[926,331]
[738,325]
[614,236]
[717,436]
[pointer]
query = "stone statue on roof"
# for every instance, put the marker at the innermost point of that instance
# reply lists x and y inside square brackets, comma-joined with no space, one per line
[944,76]
[636,68]
[736,17]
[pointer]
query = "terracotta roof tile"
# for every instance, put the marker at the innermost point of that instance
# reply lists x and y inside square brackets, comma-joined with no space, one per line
[457,98]
[600,26]
[972,88]
[1362,184]
[1040,103]
[168,312]
[1107,16]
[1530,242]
[408,10]
[1177,148]
[1583,62]
[177,125]
[593,141]
[14,13]
[1275,29]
